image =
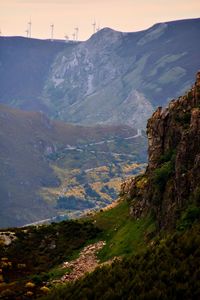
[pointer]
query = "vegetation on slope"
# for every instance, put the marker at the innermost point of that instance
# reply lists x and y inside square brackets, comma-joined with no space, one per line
[36,252]
[123,235]
[171,181]
[169,269]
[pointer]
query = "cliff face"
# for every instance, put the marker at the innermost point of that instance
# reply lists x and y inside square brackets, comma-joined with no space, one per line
[172,179]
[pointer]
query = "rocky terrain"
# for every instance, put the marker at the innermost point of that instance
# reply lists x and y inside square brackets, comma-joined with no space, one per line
[171,181]
[86,262]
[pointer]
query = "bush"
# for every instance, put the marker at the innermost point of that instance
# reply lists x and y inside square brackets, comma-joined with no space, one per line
[169,270]
[7,295]
[169,155]
[191,215]
[30,285]
[162,174]
[183,119]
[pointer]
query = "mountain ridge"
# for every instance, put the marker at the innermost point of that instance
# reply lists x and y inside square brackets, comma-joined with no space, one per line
[137,66]
[84,82]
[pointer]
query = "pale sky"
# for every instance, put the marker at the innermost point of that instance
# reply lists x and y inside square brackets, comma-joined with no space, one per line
[122,15]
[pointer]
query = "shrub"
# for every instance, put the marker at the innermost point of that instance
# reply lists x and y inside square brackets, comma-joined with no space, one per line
[169,269]
[191,215]
[7,294]
[37,279]
[162,174]
[167,156]
[29,294]
[30,285]
[183,119]
[45,289]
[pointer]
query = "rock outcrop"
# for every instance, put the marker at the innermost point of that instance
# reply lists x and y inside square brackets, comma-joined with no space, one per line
[171,181]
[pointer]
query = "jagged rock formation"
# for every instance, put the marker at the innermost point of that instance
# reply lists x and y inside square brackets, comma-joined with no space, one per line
[171,181]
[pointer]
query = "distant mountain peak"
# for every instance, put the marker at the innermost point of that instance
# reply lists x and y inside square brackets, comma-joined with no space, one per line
[87,82]
[106,35]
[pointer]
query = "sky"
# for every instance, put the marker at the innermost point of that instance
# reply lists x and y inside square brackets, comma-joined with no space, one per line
[66,15]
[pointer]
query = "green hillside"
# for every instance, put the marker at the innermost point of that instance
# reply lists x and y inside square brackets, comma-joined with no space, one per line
[36,254]
[167,270]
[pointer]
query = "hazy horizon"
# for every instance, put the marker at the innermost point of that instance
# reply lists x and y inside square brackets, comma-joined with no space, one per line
[66,15]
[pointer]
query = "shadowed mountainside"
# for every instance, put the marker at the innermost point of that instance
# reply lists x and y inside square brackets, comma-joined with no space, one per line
[24,67]
[114,77]
[48,167]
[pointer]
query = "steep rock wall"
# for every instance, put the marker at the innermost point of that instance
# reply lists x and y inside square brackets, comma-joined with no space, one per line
[172,179]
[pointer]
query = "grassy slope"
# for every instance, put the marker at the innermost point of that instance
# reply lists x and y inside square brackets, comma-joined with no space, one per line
[168,270]
[37,253]
[123,235]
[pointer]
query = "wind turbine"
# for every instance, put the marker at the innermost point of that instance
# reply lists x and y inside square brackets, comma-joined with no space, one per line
[94,26]
[76,33]
[66,37]
[30,25]
[73,35]
[27,32]
[52,29]
[98,28]
[0,32]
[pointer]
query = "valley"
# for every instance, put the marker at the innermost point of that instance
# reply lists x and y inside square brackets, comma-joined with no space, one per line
[99,195]
[51,169]
[146,245]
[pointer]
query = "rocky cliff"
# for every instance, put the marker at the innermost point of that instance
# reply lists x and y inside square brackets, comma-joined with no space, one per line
[171,181]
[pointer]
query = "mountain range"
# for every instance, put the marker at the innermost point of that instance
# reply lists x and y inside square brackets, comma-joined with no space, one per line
[112,78]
